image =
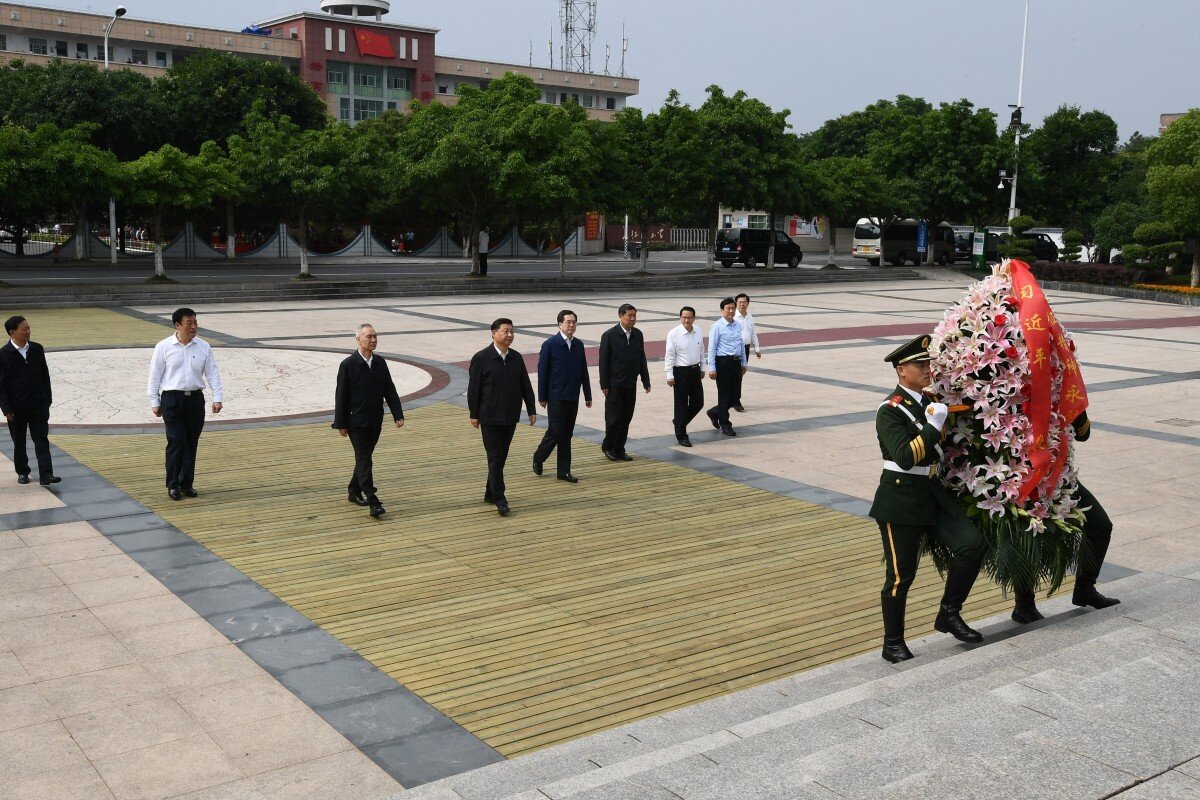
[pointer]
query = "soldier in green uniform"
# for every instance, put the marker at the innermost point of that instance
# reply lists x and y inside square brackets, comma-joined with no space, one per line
[1097,533]
[910,504]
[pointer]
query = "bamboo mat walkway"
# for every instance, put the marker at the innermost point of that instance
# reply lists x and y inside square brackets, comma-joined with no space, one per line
[643,588]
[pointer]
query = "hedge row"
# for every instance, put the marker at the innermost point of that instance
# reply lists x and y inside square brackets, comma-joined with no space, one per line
[1103,274]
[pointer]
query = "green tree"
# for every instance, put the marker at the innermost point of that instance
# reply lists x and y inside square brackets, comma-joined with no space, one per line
[1114,226]
[1017,245]
[26,191]
[848,189]
[236,187]
[167,180]
[79,175]
[1153,244]
[1072,241]
[1173,179]
[206,96]
[1073,158]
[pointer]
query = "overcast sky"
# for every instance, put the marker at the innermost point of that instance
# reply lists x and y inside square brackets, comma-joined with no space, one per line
[1131,60]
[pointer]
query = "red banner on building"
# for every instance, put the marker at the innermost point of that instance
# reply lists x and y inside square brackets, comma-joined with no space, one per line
[371,43]
[591,226]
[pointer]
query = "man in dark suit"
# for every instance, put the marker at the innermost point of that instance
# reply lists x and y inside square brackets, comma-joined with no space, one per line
[498,383]
[910,504]
[562,372]
[364,383]
[25,399]
[622,362]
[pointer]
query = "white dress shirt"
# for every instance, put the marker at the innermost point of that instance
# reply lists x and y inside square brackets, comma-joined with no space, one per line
[178,367]
[24,351]
[567,339]
[684,349]
[749,329]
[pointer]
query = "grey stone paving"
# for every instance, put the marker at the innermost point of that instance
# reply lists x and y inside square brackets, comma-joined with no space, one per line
[1087,704]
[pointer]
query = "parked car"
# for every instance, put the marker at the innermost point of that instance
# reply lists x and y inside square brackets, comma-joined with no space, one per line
[749,246]
[1044,248]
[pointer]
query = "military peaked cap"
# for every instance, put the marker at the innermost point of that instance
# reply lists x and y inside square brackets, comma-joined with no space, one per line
[916,350]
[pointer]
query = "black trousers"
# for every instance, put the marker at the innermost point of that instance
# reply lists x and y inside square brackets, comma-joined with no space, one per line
[35,421]
[482,263]
[901,554]
[183,417]
[362,481]
[618,413]
[561,415]
[1097,533]
[729,387]
[496,441]
[689,397]
[737,399]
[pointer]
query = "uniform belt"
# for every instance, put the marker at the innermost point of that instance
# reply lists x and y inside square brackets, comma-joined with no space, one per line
[184,392]
[686,366]
[892,466]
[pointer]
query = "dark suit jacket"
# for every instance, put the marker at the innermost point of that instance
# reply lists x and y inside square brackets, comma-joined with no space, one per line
[562,372]
[362,391]
[497,386]
[24,385]
[621,360]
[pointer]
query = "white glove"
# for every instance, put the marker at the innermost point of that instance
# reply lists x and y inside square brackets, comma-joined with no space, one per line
[937,413]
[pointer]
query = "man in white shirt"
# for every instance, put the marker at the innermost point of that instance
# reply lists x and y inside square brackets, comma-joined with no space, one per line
[749,338]
[683,360]
[485,241]
[181,365]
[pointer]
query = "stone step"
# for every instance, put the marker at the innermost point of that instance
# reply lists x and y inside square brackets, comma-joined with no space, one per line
[827,722]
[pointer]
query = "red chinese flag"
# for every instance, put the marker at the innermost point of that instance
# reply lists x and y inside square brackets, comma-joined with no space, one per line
[1043,335]
[371,43]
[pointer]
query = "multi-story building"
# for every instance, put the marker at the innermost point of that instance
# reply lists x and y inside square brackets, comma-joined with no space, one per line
[361,65]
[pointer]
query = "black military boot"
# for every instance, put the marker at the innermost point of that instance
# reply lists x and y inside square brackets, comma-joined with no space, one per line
[1088,596]
[1025,608]
[894,648]
[958,586]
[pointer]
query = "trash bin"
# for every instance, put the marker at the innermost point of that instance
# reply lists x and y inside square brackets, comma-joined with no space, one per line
[635,251]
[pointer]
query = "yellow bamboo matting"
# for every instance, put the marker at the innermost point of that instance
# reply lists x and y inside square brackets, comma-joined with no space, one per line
[643,588]
[92,327]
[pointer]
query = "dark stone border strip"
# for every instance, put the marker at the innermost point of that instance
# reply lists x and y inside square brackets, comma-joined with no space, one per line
[402,733]
[1124,293]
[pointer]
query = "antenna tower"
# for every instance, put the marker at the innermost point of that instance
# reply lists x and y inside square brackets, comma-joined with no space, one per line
[578,18]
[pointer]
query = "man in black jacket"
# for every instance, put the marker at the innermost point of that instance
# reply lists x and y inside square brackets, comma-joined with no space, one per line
[622,361]
[363,384]
[498,384]
[25,399]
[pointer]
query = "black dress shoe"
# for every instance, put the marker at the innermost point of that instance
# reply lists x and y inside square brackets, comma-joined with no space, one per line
[895,651]
[537,466]
[568,478]
[22,479]
[503,509]
[1088,596]
[713,419]
[357,499]
[377,509]
[624,456]
[174,494]
[190,493]
[729,431]
[1026,613]
[49,480]
[610,455]
[949,621]
[684,441]
[738,407]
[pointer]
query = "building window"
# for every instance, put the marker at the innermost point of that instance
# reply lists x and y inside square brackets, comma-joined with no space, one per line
[81,50]
[3,42]
[610,103]
[443,89]
[37,46]
[367,109]
[402,54]
[60,49]
[294,69]
[335,75]
[294,33]
[341,40]
[140,57]
[160,58]
[562,98]
[548,97]
[329,38]
[391,105]
[368,79]
[344,109]
[587,101]
[758,221]
[399,80]
[414,50]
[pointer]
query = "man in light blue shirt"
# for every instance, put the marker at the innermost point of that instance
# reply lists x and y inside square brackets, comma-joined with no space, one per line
[727,360]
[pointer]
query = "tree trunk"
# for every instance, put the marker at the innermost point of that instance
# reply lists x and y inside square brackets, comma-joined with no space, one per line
[81,230]
[1196,265]
[711,261]
[472,244]
[303,239]
[19,238]
[771,246]
[159,270]
[832,230]
[562,250]
[230,236]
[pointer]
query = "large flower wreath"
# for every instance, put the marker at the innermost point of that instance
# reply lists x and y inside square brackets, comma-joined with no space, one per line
[1009,456]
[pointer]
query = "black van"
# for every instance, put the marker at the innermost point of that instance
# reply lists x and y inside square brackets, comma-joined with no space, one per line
[749,246]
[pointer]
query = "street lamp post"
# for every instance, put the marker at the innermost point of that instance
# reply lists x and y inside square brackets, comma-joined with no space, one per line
[112,203]
[1016,120]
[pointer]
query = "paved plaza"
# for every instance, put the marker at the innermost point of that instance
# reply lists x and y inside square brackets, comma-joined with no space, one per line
[696,623]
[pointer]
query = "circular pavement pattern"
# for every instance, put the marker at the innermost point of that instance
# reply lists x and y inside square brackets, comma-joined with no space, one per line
[96,388]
